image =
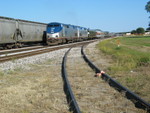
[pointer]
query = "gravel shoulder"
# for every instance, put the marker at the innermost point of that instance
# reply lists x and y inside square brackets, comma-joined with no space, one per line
[92,93]
[33,85]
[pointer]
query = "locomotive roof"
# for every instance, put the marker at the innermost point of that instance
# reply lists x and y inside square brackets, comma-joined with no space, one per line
[67,24]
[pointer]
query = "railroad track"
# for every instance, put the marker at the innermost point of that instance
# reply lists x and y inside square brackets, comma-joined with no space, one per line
[88,94]
[7,55]
[5,52]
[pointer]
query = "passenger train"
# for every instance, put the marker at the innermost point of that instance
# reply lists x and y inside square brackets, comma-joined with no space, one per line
[64,33]
[16,32]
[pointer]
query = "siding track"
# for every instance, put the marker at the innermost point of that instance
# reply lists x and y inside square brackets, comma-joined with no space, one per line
[91,94]
[140,103]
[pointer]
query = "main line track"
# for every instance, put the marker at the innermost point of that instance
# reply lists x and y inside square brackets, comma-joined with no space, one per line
[8,55]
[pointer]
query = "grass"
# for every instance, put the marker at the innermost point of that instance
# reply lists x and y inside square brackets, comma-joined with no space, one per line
[36,89]
[1,73]
[136,41]
[124,57]
[131,62]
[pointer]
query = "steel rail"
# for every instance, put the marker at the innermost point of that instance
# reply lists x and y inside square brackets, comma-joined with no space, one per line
[139,103]
[20,49]
[22,55]
[67,88]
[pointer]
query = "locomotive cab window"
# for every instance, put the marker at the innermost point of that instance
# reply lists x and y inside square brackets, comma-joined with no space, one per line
[56,25]
[50,26]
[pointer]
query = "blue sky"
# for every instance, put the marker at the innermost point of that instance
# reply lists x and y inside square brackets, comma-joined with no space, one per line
[107,15]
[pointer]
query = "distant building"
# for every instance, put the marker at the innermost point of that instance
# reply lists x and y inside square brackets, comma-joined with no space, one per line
[123,34]
[147,32]
[128,34]
[99,33]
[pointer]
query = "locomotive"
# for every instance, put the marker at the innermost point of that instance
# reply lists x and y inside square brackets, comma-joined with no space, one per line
[64,33]
[16,32]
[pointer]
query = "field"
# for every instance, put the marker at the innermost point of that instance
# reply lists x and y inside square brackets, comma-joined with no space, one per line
[130,62]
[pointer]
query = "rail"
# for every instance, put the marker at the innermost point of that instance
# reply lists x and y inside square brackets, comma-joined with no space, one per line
[67,88]
[139,103]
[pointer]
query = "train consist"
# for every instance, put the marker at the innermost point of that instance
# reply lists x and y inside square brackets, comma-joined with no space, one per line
[64,33]
[15,33]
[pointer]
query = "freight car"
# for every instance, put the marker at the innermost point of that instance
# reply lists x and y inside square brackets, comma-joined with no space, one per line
[16,32]
[57,33]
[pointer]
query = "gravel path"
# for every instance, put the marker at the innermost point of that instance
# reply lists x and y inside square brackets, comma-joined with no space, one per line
[33,85]
[93,94]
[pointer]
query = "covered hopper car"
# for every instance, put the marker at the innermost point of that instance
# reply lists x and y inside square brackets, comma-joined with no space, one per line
[15,32]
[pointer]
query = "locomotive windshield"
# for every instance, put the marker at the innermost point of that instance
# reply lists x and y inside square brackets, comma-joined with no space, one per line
[53,25]
[54,28]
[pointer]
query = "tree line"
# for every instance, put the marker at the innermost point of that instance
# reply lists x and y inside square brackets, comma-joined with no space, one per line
[147,8]
[139,30]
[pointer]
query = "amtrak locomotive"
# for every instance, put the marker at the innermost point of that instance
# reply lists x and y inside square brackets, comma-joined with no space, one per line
[64,33]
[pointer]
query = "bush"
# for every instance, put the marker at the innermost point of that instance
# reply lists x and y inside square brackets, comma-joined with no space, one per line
[140,30]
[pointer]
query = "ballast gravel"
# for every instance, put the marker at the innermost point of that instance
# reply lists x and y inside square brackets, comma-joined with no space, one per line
[24,62]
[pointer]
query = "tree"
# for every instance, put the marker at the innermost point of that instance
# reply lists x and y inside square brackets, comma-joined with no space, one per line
[133,32]
[140,30]
[148,29]
[147,7]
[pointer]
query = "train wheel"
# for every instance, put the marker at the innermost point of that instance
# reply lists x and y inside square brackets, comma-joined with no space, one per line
[9,46]
[19,45]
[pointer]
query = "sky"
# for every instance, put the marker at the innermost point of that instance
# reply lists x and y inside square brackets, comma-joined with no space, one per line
[107,15]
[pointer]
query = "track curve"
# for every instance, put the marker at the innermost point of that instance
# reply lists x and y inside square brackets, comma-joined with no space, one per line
[139,102]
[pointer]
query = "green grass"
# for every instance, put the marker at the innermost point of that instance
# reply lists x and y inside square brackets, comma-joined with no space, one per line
[125,57]
[130,62]
[136,41]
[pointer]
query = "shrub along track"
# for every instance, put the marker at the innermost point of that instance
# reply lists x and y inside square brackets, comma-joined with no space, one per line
[93,94]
